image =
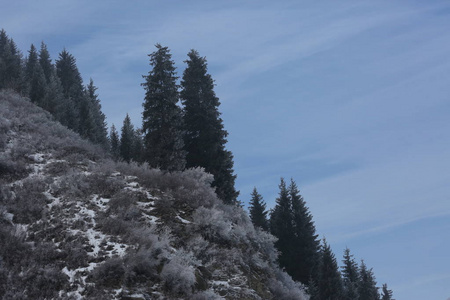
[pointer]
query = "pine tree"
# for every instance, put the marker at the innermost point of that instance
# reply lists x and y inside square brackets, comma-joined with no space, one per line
[386,293]
[350,276]
[329,280]
[367,289]
[258,213]
[138,150]
[11,76]
[35,78]
[98,132]
[205,136]
[306,243]
[127,139]
[114,141]
[72,87]
[162,117]
[46,62]
[281,226]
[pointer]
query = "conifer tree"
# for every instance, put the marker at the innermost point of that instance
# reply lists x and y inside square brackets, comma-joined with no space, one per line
[35,78]
[98,132]
[127,139]
[281,226]
[46,62]
[367,289]
[258,213]
[386,293]
[329,280]
[114,141]
[72,87]
[11,76]
[350,276]
[162,117]
[205,136]
[138,149]
[306,243]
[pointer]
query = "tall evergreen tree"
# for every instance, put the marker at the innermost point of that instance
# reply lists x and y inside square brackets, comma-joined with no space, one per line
[35,78]
[138,150]
[162,117]
[329,280]
[127,139]
[46,62]
[306,243]
[386,293]
[258,212]
[281,226]
[11,76]
[98,132]
[114,141]
[350,276]
[205,136]
[367,289]
[72,87]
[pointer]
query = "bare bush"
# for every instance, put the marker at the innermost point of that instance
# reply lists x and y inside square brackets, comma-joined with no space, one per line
[178,274]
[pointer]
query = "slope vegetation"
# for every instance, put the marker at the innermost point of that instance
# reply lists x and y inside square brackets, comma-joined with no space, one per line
[76,225]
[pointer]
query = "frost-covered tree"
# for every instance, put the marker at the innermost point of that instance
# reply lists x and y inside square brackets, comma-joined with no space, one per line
[258,212]
[350,276]
[205,136]
[367,289]
[306,243]
[162,117]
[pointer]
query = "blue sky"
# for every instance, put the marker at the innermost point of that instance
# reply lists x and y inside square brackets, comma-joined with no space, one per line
[350,98]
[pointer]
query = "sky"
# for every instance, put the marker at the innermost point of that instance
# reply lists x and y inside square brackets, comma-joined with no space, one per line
[349,98]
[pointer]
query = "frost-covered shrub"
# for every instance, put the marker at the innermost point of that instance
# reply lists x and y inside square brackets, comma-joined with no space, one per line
[206,295]
[75,255]
[44,282]
[110,273]
[12,169]
[114,226]
[284,288]
[72,185]
[178,274]
[140,267]
[57,168]
[29,203]
[122,200]
[212,224]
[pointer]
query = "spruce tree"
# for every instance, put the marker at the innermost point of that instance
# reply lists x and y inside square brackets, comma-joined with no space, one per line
[205,136]
[35,78]
[162,117]
[306,243]
[258,213]
[329,280]
[11,75]
[114,141]
[386,293]
[281,226]
[72,87]
[98,132]
[138,150]
[367,289]
[46,62]
[127,140]
[350,276]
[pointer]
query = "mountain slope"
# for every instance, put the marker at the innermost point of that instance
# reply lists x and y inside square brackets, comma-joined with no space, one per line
[76,225]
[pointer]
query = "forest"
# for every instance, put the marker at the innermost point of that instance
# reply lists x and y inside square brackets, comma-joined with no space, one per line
[182,131]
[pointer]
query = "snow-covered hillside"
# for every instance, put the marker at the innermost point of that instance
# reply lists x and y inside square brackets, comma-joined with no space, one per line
[76,225]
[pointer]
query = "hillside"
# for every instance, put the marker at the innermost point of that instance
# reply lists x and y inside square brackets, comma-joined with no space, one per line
[77,225]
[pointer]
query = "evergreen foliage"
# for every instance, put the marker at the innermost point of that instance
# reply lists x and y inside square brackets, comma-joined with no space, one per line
[205,136]
[329,279]
[367,289]
[72,88]
[35,78]
[11,75]
[386,294]
[162,117]
[98,130]
[258,212]
[114,141]
[306,243]
[281,226]
[127,139]
[350,276]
